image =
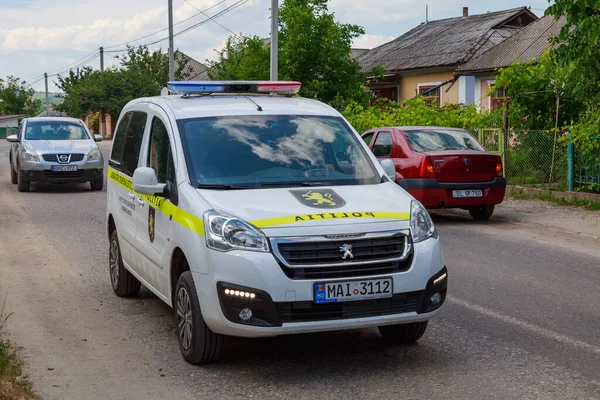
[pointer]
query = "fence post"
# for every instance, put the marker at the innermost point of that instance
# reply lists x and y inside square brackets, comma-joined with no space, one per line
[501,139]
[571,166]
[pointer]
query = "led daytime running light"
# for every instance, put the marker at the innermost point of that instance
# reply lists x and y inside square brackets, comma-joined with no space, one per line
[240,294]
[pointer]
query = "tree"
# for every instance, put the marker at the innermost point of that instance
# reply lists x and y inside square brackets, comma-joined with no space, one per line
[313,49]
[17,98]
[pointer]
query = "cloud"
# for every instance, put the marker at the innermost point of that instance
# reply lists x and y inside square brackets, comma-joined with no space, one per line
[368,41]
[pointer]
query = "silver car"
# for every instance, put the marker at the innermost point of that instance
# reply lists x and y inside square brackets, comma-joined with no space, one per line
[55,150]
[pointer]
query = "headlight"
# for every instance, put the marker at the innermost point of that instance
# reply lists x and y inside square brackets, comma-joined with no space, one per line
[30,155]
[421,225]
[94,155]
[224,233]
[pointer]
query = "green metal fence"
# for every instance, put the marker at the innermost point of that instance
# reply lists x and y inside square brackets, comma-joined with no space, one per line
[586,170]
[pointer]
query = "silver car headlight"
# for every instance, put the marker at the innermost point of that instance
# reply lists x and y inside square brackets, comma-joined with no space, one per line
[30,155]
[94,155]
[225,233]
[421,225]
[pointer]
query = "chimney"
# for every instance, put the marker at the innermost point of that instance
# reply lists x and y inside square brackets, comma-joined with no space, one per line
[465,11]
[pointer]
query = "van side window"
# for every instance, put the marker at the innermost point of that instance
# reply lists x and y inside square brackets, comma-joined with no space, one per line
[160,157]
[133,142]
[383,145]
[116,156]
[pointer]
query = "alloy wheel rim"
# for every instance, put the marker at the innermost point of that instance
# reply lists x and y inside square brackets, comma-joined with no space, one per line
[184,318]
[114,263]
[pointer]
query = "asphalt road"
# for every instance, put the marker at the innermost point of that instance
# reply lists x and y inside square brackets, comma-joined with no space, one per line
[522,320]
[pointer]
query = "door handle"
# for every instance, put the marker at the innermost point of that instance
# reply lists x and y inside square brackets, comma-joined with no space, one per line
[132,195]
[141,202]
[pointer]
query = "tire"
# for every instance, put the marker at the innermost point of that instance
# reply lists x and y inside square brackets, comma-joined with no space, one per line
[124,284]
[198,344]
[14,177]
[404,333]
[97,184]
[22,184]
[482,213]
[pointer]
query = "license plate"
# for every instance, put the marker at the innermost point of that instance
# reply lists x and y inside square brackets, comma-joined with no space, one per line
[64,168]
[336,292]
[467,193]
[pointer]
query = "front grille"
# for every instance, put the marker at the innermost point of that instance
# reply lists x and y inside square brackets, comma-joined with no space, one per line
[54,157]
[321,258]
[64,174]
[307,311]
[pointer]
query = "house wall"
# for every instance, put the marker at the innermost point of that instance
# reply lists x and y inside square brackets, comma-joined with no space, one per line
[409,85]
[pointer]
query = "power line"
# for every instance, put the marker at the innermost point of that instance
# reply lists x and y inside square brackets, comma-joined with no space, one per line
[90,59]
[164,29]
[216,22]
[73,63]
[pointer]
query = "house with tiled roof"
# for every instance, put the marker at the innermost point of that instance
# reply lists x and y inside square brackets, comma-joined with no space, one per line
[525,46]
[424,60]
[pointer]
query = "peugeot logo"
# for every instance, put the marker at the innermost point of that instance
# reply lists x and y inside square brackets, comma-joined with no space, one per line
[467,161]
[346,250]
[63,158]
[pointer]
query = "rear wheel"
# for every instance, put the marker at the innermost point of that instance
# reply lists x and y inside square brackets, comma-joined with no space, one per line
[482,213]
[404,333]
[124,284]
[198,344]
[97,184]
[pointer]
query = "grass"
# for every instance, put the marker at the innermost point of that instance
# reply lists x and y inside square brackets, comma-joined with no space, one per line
[548,196]
[13,386]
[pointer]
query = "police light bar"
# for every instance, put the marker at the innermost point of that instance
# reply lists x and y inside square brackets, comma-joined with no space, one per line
[205,87]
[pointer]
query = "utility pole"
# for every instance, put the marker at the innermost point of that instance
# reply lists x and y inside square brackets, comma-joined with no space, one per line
[47,99]
[102,117]
[171,51]
[274,39]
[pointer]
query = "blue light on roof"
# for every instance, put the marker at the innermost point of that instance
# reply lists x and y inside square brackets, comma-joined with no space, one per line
[196,87]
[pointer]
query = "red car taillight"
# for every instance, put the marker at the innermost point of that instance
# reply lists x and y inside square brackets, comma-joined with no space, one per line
[426,168]
[499,166]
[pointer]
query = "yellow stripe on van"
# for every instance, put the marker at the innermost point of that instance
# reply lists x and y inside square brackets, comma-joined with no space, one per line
[196,224]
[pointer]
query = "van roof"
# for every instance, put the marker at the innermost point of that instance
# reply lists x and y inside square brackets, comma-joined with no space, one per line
[225,105]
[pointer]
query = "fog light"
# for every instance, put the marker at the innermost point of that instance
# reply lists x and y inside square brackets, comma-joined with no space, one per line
[435,299]
[245,314]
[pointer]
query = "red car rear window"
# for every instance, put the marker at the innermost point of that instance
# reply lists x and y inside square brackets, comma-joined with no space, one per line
[438,140]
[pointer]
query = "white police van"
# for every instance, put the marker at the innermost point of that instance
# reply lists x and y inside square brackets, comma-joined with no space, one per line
[256,213]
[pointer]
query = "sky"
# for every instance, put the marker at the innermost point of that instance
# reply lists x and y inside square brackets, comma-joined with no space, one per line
[38,36]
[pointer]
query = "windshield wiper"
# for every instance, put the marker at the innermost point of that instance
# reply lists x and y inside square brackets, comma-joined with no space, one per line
[294,184]
[224,187]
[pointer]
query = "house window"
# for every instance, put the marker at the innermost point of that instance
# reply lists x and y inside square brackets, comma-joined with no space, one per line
[498,98]
[431,97]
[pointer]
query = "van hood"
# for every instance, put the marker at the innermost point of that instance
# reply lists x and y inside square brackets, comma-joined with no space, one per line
[313,206]
[61,146]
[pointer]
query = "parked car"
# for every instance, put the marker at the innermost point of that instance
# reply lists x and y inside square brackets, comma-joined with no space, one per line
[442,167]
[55,150]
[260,215]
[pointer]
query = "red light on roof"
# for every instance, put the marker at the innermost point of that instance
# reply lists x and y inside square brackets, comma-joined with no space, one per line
[278,87]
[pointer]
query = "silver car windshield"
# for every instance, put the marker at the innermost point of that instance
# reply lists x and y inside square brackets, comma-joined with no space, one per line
[55,130]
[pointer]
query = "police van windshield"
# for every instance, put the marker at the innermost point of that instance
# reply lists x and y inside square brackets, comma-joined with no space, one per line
[261,151]
[55,130]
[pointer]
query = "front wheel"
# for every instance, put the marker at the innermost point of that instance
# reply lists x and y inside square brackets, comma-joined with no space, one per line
[482,213]
[403,333]
[22,184]
[198,344]
[124,284]
[97,184]
[14,177]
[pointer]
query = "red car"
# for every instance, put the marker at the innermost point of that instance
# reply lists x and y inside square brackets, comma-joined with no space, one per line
[442,167]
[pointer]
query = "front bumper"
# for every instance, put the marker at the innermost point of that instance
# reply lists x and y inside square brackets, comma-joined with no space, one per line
[285,306]
[434,194]
[47,176]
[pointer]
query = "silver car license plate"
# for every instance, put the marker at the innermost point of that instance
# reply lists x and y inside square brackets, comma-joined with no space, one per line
[335,292]
[64,168]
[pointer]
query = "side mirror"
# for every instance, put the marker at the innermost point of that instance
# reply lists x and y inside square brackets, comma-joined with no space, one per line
[98,138]
[145,182]
[12,138]
[389,168]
